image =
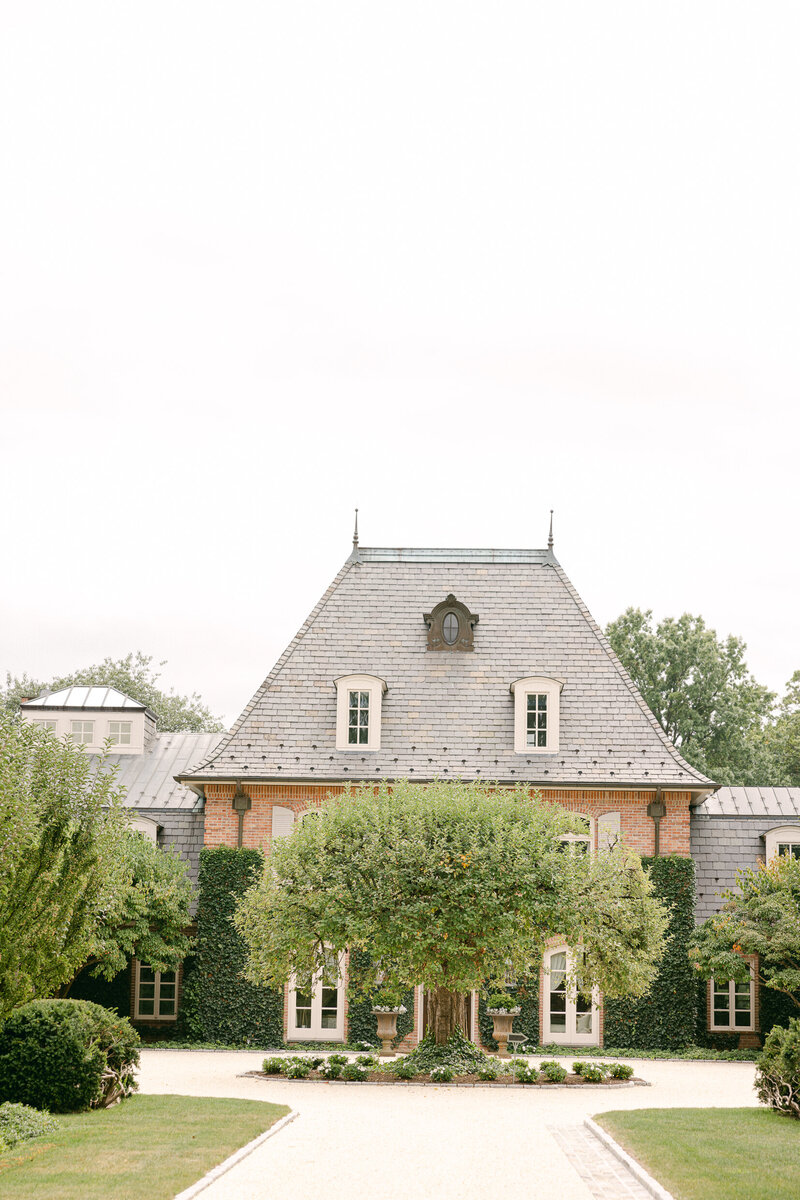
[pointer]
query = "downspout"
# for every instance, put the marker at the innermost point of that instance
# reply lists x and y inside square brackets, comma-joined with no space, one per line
[241,804]
[657,809]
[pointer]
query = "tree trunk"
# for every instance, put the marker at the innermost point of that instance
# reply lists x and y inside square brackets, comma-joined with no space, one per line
[447,1011]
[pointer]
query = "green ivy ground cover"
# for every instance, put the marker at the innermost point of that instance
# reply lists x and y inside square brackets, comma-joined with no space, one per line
[713,1153]
[147,1148]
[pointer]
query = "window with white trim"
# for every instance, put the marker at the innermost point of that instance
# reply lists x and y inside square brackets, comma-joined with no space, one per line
[47,724]
[156,994]
[119,733]
[783,839]
[537,703]
[581,842]
[82,731]
[733,1004]
[358,712]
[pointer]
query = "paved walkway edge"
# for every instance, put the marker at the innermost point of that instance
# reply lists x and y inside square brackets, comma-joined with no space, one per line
[652,1185]
[242,1153]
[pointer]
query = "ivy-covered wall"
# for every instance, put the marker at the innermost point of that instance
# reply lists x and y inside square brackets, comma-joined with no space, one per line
[362,1024]
[665,1018]
[217,1004]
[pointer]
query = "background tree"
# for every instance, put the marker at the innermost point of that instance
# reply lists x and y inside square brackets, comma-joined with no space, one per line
[761,916]
[450,885]
[136,676]
[783,737]
[700,690]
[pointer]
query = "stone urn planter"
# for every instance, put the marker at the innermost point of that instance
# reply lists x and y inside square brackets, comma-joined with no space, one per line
[387,1027]
[503,1019]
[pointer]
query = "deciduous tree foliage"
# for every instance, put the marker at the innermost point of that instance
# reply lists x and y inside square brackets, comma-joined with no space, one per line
[76,885]
[451,885]
[699,688]
[760,916]
[136,676]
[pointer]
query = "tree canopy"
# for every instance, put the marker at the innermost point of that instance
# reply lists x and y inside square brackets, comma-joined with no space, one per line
[453,885]
[761,916]
[76,885]
[137,676]
[700,690]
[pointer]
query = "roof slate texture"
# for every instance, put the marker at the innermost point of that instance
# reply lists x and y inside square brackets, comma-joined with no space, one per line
[450,713]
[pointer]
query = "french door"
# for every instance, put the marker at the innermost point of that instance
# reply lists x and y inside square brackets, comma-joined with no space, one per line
[316,1005]
[569,1018]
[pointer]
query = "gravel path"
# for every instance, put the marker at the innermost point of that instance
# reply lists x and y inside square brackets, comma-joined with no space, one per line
[409,1143]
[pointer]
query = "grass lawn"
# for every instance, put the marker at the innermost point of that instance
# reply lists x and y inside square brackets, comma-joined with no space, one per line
[713,1153]
[148,1146]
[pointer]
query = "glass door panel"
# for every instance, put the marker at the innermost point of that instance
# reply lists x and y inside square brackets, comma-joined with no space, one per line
[316,1006]
[570,1018]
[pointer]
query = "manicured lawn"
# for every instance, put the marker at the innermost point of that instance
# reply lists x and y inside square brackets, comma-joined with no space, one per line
[713,1153]
[149,1147]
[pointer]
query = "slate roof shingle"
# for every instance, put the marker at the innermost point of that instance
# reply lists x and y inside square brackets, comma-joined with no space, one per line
[450,713]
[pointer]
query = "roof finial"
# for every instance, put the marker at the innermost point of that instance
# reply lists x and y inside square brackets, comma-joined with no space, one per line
[355,533]
[550,537]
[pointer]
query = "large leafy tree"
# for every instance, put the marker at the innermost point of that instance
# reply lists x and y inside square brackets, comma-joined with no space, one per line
[451,885]
[783,737]
[149,915]
[77,886]
[136,675]
[761,916]
[699,688]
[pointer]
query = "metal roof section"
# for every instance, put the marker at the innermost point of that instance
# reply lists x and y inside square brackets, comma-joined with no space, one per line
[751,802]
[450,715]
[85,697]
[149,778]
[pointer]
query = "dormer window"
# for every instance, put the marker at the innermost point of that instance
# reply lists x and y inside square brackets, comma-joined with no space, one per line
[358,712]
[82,731]
[783,839]
[536,714]
[119,733]
[450,625]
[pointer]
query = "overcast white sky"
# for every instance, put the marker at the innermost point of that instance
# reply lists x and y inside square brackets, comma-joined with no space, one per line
[454,263]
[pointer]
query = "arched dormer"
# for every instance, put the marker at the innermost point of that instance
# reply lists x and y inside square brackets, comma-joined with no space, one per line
[450,625]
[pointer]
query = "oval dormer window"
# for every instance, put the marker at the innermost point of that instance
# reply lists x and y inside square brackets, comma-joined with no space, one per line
[450,628]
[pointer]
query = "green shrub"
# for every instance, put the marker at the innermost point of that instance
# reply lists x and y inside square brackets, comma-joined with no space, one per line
[67,1055]
[364,1045]
[403,1069]
[620,1071]
[442,1074]
[593,1072]
[577,1067]
[273,1066]
[525,1074]
[461,1055]
[19,1123]
[501,1000]
[296,1068]
[778,1073]
[353,1073]
[340,1060]
[330,1070]
[487,1071]
[553,1071]
[368,1060]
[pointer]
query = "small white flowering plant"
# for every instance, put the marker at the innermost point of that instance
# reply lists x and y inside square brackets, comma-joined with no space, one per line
[502,1004]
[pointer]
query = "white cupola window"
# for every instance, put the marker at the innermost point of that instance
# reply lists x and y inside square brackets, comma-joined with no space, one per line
[536,714]
[358,712]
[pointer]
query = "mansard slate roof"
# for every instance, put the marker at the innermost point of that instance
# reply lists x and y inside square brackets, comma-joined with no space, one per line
[149,778]
[450,714]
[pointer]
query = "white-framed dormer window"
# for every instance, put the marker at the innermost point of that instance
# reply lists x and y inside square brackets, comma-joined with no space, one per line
[537,702]
[732,1004]
[119,733]
[783,839]
[82,731]
[358,712]
[156,994]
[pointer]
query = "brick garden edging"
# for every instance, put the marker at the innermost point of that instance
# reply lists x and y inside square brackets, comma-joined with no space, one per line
[496,1084]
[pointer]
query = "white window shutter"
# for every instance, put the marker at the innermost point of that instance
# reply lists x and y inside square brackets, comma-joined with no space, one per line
[282,821]
[608,831]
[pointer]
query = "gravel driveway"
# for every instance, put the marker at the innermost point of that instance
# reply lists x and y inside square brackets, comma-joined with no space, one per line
[386,1143]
